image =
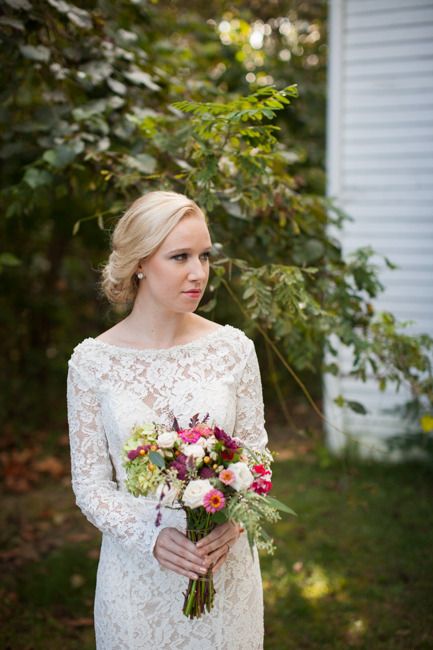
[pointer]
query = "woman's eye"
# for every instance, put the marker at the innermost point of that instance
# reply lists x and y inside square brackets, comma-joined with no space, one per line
[182,256]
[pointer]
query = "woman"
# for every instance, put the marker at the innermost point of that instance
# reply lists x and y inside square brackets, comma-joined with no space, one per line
[162,361]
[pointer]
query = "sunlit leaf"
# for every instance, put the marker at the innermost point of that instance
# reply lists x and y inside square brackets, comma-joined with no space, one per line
[12,22]
[36,52]
[140,77]
[19,4]
[8,259]
[142,162]
[59,157]
[208,306]
[426,422]
[37,177]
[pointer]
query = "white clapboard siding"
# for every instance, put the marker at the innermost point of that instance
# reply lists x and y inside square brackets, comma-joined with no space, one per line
[380,171]
[356,70]
[395,34]
[377,84]
[373,6]
[386,17]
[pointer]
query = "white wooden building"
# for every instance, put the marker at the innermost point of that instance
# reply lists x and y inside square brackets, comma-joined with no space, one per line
[380,170]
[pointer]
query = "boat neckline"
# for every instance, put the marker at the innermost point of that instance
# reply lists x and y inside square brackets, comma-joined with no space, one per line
[179,346]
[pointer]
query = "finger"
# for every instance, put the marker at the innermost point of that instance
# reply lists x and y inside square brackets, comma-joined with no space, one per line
[181,563]
[180,570]
[183,542]
[195,565]
[217,532]
[180,545]
[228,528]
[218,554]
[219,543]
[219,564]
[185,554]
[219,536]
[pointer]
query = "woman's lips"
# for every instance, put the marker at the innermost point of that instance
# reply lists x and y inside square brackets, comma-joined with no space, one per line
[194,293]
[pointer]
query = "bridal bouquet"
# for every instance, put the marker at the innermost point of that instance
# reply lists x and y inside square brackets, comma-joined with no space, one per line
[212,477]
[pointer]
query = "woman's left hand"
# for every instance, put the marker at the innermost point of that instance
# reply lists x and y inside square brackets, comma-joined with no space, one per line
[216,545]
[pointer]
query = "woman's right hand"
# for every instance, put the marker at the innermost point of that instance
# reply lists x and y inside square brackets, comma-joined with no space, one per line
[176,552]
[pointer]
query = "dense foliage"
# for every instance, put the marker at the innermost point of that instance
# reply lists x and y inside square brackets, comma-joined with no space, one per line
[104,100]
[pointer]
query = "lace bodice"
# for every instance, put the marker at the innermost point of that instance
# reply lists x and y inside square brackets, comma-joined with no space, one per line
[112,388]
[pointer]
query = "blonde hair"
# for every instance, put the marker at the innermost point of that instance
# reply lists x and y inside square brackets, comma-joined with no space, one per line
[137,234]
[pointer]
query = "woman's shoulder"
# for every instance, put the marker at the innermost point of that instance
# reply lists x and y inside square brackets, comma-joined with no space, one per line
[238,335]
[240,345]
[85,357]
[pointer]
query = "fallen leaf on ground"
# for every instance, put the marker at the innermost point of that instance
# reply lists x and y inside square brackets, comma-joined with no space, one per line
[50,465]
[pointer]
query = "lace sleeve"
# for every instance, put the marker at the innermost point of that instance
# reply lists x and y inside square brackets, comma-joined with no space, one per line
[127,518]
[250,420]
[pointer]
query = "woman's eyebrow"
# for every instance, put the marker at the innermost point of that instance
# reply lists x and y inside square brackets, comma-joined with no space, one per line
[182,250]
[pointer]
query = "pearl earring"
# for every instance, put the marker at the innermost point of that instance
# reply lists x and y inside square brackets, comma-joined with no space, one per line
[140,275]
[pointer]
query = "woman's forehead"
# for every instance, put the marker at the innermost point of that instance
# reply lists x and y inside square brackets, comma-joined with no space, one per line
[190,232]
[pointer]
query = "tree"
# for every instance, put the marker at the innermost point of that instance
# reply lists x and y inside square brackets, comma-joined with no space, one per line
[106,100]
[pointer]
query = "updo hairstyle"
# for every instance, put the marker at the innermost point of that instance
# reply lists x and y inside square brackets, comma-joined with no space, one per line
[137,234]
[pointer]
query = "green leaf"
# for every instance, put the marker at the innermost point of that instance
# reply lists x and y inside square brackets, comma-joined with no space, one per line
[219,517]
[208,306]
[142,162]
[19,4]
[138,76]
[117,86]
[357,407]
[80,18]
[37,177]
[390,264]
[157,459]
[60,157]
[8,259]
[12,22]
[36,53]
[90,109]
[249,291]
[279,505]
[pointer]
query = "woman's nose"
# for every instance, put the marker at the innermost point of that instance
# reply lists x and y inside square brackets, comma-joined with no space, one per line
[197,269]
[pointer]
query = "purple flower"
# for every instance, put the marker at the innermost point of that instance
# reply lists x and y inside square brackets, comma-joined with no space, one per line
[228,441]
[179,464]
[136,452]
[206,472]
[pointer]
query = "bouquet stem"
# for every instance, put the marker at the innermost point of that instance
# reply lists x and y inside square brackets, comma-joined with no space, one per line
[200,594]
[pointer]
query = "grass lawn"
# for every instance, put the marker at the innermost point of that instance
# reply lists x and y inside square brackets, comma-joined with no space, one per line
[354,569]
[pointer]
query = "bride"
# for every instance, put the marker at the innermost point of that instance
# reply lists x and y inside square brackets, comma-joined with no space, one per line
[162,361]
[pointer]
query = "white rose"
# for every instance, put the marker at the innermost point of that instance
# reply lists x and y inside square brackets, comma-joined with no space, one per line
[243,476]
[196,451]
[167,439]
[195,491]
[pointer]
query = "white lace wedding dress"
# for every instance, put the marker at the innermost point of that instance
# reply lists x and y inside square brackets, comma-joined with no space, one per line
[138,604]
